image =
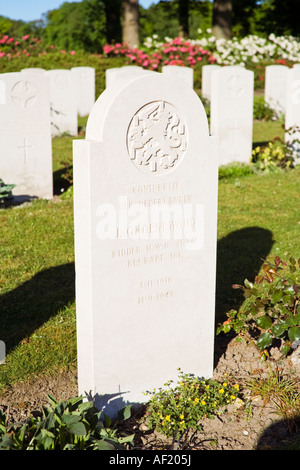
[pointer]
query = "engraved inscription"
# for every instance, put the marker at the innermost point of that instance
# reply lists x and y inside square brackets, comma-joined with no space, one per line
[157,138]
[23,94]
[236,86]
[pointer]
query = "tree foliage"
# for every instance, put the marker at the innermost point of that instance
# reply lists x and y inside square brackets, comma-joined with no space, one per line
[78,26]
[89,24]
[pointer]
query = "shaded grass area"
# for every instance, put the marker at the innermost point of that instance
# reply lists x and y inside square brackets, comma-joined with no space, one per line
[258,217]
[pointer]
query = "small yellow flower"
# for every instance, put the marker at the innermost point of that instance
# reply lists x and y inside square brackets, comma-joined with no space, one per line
[207,386]
[232,397]
[221,390]
[181,416]
[224,384]
[168,417]
[196,400]
[203,402]
[236,386]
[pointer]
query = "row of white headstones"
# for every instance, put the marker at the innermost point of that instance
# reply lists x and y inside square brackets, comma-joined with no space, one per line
[35,106]
[145,212]
[25,147]
[145,215]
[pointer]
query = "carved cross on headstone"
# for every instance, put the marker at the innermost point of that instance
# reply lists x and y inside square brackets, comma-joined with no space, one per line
[25,147]
[23,94]
[235,86]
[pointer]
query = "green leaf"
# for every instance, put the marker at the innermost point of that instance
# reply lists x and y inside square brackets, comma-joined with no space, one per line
[69,420]
[107,421]
[106,444]
[285,349]
[294,333]
[264,322]
[86,405]
[124,413]
[248,284]
[78,429]
[277,296]
[264,341]
[278,329]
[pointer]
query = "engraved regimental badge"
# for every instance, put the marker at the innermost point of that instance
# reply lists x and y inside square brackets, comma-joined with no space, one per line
[157,138]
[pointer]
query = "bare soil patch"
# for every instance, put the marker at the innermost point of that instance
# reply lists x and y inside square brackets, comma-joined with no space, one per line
[256,426]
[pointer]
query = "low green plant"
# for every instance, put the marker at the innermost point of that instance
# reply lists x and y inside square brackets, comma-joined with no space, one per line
[177,411]
[270,313]
[6,190]
[66,425]
[262,111]
[279,154]
[282,392]
[234,170]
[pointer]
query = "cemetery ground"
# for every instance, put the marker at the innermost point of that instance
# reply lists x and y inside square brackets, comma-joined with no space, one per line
[258,218]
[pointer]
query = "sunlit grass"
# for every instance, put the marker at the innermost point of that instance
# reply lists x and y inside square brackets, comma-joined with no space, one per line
[258,216]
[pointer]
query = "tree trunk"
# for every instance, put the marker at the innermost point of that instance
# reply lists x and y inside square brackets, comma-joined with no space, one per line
[130,24]
[113,20]
[221,24]
[183,13]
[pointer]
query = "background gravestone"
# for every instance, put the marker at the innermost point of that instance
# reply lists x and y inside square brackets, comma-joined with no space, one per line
[207,71]
[116,73]
[275,87]
[292,116]
[84,78]
[177,71]
[231,113]
[145,209]
[63,102]
[25,134]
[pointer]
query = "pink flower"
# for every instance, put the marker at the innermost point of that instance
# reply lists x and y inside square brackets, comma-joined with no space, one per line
[10,40]
[63,51]
[2,54]
[25,37]
[17,43]
[72,52]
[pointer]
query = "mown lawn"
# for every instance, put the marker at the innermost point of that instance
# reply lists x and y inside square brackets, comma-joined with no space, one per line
[258,218]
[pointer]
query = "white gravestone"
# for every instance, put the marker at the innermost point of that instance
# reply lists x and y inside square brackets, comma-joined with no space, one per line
[33,70]
[231,113]
[64,116]
[292,116]
[25,134]
[117,73]
[207,71]
[275,87]
[85,89]
[145,202]
[183,73]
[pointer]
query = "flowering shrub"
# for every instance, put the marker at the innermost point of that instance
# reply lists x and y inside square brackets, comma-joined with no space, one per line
[24,47]
[177,51]
[177,411]
[277,155]
[252,49]
[270,313]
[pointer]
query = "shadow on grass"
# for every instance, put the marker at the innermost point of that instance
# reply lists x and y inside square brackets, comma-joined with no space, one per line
[60,184]
[27,307]
[240,256]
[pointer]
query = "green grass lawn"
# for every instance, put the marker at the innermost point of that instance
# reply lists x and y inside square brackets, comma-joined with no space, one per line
[258,217]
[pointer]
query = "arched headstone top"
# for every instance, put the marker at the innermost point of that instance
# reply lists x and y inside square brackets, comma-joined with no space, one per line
[119,103]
